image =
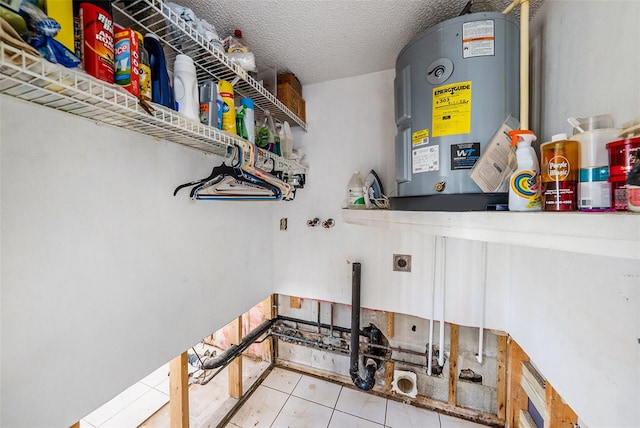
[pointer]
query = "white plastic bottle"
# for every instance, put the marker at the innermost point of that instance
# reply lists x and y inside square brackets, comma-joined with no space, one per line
[355,192]
[185,86]
[524,185]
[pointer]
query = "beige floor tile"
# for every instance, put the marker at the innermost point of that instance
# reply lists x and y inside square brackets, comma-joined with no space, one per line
[401,415]
[317,391]
[282,380]
[362,405]
[344,420]
[299,413]
[261,409]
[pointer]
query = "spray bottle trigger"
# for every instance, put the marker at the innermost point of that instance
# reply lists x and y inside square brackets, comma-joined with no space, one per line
[515,135]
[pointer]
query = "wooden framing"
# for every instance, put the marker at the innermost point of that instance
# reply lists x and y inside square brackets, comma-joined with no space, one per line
[295,302]
[389,366]
[76,425]
[235,367]
[178,392]
[268,312]
[516,397]
[561,415]
[453,364]
[501,381]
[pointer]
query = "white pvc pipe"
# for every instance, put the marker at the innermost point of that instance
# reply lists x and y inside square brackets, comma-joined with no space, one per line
[443,279]
[524,59]
[524,64]
[433,305]
[509,8]
[483,299]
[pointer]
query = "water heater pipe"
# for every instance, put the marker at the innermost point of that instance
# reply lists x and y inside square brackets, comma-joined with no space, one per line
[433,307]
[484,304]
[524,59]
[443,280]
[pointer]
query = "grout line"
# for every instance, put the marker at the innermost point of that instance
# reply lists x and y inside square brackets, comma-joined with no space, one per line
[280,411]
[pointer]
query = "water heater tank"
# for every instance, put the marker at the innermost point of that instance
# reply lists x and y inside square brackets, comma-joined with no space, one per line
[455,85]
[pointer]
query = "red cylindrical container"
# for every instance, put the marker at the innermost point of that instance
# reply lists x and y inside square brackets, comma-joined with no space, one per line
[621,154]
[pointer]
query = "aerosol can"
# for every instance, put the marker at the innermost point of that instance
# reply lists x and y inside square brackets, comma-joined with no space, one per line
[524,185]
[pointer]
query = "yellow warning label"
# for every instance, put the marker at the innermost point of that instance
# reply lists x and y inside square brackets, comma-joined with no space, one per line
[452,109]
[420,137]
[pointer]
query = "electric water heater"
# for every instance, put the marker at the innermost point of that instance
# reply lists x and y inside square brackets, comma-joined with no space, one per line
[456,83]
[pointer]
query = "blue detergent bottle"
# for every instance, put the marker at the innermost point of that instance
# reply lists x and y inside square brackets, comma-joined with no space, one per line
[161,89]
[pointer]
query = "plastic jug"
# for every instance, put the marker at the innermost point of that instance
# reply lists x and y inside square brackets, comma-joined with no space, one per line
[185,86]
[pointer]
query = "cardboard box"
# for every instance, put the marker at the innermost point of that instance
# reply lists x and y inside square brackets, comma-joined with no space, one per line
[291,79]
[302,110]
[289,97]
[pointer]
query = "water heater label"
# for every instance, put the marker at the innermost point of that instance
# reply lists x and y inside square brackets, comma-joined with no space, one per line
[426,159]
[464,155]
[451,109]
[478,39]
[419,138]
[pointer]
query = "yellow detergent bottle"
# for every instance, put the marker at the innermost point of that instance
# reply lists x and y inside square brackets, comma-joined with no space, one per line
[228,106]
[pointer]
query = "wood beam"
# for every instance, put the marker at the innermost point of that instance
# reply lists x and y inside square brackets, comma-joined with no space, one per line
[76,425]
[295,302]
[516,397]
[389,367]
[235,367]
[178,392]
[561,415]
[268,312]
[501,381]
[453,364]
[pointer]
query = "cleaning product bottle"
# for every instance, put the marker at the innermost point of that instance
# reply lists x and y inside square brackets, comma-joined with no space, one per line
[249,118]
[228,107]
[633,185]
[161,89]
[524,186]
[185,84]
[208,103]
[355,192]
[145,70]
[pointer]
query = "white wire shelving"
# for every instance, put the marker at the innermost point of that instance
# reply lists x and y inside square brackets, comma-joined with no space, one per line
[154,16]
[38,81]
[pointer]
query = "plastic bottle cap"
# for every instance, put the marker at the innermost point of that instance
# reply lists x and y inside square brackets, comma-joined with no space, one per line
[247,102]
[559,137]
[515,135]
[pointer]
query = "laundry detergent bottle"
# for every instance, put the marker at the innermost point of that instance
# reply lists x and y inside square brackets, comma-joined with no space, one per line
[524,185]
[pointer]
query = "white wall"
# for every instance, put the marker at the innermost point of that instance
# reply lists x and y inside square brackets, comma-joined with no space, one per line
[351,128]
[577,316]
[105,275]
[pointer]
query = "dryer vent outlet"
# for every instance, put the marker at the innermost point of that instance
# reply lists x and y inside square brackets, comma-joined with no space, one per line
[402,263]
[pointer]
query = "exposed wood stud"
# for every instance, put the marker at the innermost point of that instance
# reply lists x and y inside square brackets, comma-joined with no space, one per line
[178,392]
[267,314]
[561,415]
[389,367]
[235,367]
[453,364]
[76,425]
[516,397]
[390,325]
[501,381]
[295,302]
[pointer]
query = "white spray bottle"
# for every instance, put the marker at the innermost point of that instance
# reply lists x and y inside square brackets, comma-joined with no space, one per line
[524,185]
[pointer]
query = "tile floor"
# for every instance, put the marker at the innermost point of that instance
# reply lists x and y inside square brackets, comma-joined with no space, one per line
[290,399]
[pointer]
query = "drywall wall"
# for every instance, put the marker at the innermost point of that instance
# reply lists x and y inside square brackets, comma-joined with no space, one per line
[581,328]
[105,275]
[351,129]
[581,64]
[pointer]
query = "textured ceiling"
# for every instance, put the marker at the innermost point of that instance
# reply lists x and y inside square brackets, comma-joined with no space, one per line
[322,40]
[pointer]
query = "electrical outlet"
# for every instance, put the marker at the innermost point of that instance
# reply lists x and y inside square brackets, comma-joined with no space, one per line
[402,263]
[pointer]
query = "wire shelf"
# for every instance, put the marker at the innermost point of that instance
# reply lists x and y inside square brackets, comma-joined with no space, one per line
[38,81]
[154,16]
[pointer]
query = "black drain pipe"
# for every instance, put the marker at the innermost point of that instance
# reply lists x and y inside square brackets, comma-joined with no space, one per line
[235,350]
[369,380]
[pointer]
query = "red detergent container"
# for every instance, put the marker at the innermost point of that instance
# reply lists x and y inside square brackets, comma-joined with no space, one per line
[621,155]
